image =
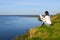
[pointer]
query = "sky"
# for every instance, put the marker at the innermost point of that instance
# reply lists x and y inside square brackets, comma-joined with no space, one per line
[29,7]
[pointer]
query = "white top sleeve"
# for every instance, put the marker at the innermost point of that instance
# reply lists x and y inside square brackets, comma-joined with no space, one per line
[42,18]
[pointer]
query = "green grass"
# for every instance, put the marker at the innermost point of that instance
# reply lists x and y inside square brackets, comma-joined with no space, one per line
[44,32]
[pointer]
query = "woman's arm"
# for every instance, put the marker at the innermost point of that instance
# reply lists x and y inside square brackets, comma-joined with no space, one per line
[40,18]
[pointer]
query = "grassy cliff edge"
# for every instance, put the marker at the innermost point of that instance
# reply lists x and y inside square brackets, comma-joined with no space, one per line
[44,32]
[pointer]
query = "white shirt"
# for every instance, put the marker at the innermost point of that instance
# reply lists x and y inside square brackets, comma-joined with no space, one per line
[46,19]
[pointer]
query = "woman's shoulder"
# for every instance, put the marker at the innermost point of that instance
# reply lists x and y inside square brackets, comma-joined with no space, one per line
[47,16]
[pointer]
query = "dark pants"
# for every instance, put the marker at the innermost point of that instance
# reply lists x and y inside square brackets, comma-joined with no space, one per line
[42,24]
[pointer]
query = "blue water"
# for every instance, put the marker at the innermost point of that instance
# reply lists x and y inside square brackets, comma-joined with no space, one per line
[10,26]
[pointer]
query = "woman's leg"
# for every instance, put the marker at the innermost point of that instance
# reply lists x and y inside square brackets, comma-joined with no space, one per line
[46,24]
[42,24]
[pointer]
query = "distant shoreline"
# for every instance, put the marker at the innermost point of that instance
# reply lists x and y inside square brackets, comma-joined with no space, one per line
[24,15]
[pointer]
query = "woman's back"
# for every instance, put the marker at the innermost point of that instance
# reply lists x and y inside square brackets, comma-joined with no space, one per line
[47,19]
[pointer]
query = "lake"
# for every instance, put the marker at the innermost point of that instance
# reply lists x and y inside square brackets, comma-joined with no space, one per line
[10,26]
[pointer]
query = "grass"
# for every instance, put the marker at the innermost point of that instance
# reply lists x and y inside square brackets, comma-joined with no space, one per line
[44,32]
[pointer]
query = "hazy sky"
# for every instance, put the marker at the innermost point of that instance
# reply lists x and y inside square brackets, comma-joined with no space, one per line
[29,7]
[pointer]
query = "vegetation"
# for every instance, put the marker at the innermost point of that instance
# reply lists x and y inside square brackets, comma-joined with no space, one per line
[45,32]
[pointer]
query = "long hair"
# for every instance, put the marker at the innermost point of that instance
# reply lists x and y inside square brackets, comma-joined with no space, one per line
[46,13]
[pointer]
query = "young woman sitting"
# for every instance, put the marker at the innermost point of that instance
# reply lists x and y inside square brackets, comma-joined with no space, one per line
[46,20]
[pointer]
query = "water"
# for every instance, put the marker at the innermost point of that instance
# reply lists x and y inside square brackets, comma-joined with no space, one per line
[10,26]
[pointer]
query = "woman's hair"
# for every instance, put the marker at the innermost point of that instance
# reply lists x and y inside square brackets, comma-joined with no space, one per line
[46,13]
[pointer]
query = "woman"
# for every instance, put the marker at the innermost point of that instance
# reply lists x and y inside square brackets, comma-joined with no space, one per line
[46,20]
